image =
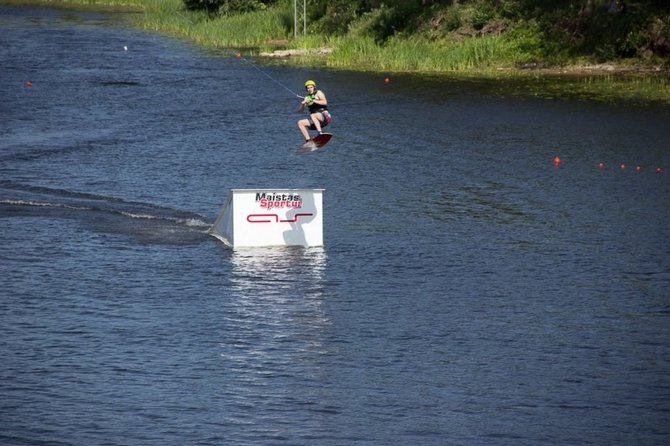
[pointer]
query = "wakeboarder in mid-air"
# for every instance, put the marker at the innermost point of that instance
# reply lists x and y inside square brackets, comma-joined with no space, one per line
[319,116]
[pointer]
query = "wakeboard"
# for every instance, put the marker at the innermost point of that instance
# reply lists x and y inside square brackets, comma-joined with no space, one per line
[315,143]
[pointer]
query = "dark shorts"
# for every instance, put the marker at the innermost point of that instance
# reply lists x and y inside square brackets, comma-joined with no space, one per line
[325,120]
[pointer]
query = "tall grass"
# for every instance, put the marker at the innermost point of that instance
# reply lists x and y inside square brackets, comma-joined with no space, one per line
[251,29]
[241,30]
[416,54]
[263,30]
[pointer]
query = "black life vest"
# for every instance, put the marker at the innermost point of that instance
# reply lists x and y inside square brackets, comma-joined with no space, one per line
[316,108]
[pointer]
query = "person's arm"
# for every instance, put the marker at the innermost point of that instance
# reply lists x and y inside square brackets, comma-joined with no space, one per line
[320,98]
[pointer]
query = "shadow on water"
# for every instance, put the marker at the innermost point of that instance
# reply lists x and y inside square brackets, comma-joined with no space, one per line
[630,88]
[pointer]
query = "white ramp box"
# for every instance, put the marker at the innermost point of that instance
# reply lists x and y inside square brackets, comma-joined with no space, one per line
[271,217]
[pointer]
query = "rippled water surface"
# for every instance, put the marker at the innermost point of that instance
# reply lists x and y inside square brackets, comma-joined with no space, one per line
[469,291]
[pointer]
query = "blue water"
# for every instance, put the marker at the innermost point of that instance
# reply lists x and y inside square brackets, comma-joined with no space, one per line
[469,292]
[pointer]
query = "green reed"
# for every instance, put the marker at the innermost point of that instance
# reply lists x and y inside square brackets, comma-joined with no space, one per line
[416,54]
[241,30]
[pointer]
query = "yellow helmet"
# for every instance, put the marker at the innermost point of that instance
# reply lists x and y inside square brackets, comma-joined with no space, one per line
[310,83]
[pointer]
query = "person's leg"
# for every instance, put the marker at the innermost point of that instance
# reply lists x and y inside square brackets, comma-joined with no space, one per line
[316,119]
[303,125]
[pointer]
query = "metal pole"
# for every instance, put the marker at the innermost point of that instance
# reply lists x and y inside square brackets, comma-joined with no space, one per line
[297,12]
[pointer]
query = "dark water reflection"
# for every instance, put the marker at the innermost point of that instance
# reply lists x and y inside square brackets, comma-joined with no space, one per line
[469,291]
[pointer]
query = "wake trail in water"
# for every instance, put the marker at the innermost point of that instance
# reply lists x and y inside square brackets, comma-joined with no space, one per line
[145,221]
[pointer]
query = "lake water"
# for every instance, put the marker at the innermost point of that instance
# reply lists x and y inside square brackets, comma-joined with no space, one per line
[469,291]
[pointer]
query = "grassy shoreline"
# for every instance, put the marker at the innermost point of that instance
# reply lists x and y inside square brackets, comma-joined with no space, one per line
[264,32]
